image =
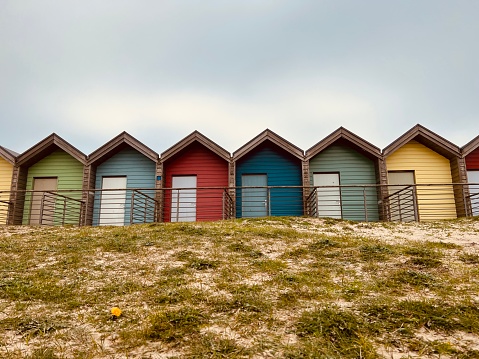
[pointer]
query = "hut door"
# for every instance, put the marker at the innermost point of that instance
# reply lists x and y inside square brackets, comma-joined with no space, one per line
[112,203]
[183,199]
[402,198]
[329,199]
[473,177]
[42,184]
[254,201]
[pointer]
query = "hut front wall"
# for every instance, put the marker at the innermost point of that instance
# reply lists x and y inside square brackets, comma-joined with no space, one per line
[354,169]
[434,202]
[472,160]
[210,171]
[281,169]
[139,172]
[61,165]
[472,166]
[6,172]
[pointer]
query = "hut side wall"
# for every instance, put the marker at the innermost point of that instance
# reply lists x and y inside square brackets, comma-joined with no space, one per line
[282,169]
[354,169]
[210,171]
[58,164]
[139,171]
[6,172]
[434,203]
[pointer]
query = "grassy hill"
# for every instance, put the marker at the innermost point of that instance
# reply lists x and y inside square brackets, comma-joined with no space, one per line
[263,288]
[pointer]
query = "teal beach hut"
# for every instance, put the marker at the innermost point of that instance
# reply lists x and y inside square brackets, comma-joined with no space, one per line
[262,167]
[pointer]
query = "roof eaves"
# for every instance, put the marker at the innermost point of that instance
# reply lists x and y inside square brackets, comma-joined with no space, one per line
[343,133]
[8,155]
[470,146]
[195,136]
[272,137]
[427,138]
[45,144]
[122,138]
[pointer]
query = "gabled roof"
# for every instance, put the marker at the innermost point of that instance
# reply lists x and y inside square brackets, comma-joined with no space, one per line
[268,135]
[195,136]
[117,144]
[428,138]
[344,135]
[470,146]
[8,155]
[46,147]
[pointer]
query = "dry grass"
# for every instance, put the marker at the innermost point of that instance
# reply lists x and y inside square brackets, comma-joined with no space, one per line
[264,288]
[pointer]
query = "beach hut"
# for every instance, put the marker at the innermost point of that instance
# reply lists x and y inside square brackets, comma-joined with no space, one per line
[122,173]
[53,170]
[345,159]
[195,175]
[470,153]
[7,161]
[423,158]
[263,166]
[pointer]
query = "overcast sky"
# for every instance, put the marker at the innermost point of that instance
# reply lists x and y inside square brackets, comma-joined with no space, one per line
[88,70]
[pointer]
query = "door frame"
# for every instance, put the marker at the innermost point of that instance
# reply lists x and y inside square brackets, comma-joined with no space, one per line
[414,191]
[106,192]
[32,200]
[339,190]
[178,198]
[268,197]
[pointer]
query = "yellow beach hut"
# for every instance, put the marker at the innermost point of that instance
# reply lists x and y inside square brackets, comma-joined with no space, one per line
[7,161]
[421,168]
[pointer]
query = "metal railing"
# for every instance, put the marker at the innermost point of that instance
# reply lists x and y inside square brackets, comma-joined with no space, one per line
[57,209]
[473,200]
[353,202]
[5,206]
[144,208]
[418,202]
[401,205]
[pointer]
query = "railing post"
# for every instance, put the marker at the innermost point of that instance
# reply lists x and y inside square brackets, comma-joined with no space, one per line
[268,206]
[41,208]
[146,208]
[415,204]
[64,212]
[223,205]
[399,207]
[132,204]
[365,204]
[177,205]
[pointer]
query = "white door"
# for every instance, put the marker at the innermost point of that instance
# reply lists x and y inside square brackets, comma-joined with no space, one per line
[329,199]
[254,201]
[183,199]
[402,202]
[112,203]
[473,177]
[42,184]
